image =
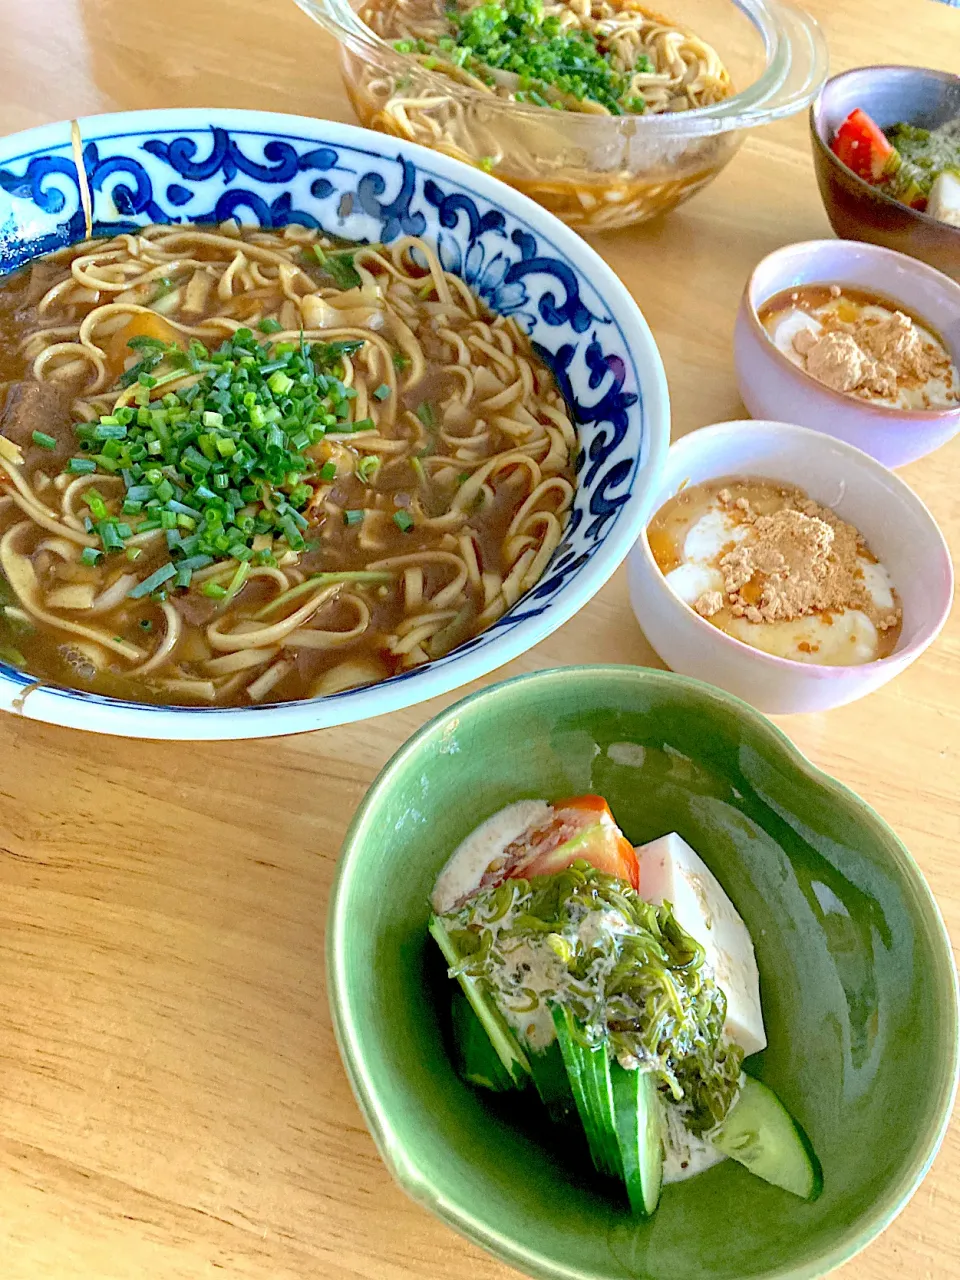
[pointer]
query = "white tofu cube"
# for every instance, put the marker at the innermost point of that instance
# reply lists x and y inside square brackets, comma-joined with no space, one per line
[670,871]
[944,202]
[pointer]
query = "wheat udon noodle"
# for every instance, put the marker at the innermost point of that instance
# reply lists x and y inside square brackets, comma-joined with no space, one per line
[534,152]
[421,528]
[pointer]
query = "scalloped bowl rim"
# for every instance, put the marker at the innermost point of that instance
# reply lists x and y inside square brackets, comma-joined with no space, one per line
[864,187]
[899,658]
[73,708]
[391,1150]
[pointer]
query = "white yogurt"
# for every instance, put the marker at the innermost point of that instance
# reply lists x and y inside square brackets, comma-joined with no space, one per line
[939,392]
[847,639]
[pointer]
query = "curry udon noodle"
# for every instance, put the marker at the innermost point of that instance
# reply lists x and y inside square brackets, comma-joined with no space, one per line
[243,466]
[662,66]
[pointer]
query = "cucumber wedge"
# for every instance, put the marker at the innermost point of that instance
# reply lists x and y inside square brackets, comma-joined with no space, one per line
[588,1071]
[639,1119]
[598,1061]
[505,1043]
[552,1083]
[760,1133]
[478,1061]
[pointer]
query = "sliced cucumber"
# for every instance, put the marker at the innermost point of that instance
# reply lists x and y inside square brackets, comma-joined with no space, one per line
[478,1061]
[760,1133]
[572,1063]
[504,1042]
[588,1071]
[598,1062]
[552,1083]
[639,1119]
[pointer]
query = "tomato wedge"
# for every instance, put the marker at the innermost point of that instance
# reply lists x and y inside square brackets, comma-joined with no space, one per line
[580,829]
[863,147]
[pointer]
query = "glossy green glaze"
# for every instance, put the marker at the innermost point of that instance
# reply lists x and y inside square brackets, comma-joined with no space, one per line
[857,978]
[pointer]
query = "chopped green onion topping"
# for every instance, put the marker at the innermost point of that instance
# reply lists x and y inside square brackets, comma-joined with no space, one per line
[381,392]
[403,520]
[43,440]
[237,581]
[227,459]
[150,584]
[353,517]
[552,62]
[340,266]
[90,556]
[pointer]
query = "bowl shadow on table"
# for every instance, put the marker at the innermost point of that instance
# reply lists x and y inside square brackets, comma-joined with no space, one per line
[850,967]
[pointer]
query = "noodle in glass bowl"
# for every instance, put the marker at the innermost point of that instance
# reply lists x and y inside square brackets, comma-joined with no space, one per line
[295,430]
[698,77]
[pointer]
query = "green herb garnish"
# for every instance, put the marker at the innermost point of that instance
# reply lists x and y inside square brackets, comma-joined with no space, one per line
[219,462]
[548,58]
[636,981]
[12,657]
[155,580]
[340,267]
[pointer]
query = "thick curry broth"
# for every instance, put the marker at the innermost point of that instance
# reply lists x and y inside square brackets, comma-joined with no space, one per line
[413,475]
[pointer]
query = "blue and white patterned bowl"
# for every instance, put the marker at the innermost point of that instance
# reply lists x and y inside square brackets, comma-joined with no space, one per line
[207,165]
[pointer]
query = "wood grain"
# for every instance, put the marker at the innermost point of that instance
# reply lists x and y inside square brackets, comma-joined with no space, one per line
[171,1101]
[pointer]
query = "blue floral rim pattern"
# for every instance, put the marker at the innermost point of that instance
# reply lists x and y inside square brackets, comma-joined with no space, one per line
[272,179]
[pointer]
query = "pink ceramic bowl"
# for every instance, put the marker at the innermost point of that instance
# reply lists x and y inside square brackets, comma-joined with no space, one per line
[772,387]
[897,526]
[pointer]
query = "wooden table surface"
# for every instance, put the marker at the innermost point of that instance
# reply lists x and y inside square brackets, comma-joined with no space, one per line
[171,1100]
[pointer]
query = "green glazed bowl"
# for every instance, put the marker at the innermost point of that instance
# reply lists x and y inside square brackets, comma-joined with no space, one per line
[857,978]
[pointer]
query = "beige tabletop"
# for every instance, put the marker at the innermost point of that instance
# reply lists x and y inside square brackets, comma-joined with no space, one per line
[171,1101]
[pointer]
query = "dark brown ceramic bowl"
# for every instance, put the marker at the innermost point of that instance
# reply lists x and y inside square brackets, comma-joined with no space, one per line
[858,211]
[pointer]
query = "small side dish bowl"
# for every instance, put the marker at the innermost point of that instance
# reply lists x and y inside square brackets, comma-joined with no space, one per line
[856,975]
[596,172]
[773,387]
[897,527]
[857,210]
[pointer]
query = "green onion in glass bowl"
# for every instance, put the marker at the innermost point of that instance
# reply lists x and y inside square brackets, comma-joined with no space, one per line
[633,146]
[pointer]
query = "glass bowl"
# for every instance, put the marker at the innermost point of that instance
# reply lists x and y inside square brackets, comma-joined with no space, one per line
[596,172]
